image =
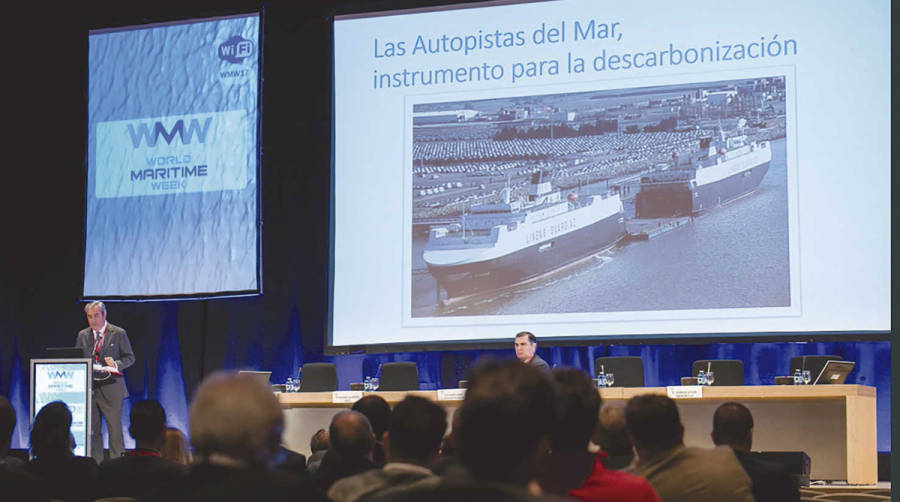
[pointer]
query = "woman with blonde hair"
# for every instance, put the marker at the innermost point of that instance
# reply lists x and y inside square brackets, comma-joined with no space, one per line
[176,447]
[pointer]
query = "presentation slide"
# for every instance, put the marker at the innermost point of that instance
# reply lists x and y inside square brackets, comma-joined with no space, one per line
[172,159]
[594,169]
[67,382]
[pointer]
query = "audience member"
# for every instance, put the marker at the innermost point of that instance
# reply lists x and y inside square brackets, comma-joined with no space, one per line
[679,473]
[236,426]
[352,441]
[412,445]
[65,476]
[378,411]
[319,444]
[141,471]
[176,447]
[612,436]
[571,468]
[733,426]
[7,425]
[505,427]
[15,482]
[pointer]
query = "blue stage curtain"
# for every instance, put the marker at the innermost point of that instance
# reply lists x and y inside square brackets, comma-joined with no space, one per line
[170,374]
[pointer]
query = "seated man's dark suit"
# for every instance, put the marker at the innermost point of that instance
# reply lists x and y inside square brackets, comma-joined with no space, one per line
[108,393]
[537,362]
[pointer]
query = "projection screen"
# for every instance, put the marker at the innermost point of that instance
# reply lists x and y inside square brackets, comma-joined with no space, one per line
[611,170]
[172,159]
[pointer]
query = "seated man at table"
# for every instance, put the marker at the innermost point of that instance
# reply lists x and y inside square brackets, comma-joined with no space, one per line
[677,472]
[412,444]
[526,347]
[141,471]
[733,426]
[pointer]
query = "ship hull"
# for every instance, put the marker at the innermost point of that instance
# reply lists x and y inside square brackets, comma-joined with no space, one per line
[680,199]
[529,262]
[720,192]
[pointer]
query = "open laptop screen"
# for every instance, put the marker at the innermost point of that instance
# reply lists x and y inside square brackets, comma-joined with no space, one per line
[834,372]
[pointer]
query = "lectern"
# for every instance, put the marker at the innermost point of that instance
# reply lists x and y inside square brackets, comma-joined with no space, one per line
[67,380]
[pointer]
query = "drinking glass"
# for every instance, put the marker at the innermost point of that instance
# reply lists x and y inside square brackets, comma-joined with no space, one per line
[710,377]
[807,377]
[374,384]
[610,379]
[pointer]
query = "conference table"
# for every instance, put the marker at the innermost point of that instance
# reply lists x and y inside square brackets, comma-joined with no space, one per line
[834,424]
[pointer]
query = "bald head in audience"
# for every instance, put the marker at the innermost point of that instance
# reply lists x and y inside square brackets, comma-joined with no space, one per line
[236,419]
[351,435]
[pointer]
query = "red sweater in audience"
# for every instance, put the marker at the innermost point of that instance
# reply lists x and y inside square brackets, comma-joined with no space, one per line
[604,485]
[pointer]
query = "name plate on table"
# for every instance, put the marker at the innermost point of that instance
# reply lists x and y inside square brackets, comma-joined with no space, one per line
[346,396]
[685,391]
[451,394]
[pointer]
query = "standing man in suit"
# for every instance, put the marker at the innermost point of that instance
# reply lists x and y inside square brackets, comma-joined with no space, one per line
[108,345]
[526,345]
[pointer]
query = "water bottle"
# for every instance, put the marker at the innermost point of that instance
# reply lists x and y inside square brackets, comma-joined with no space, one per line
[798,377]
[289,385]
[701,378]
[367,384]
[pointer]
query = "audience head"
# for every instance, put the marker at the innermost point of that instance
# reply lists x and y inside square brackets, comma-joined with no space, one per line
[148,424]
[577,405]
[175,448]
[505,421]
[319,441]
[733,426]
[417,428]
[653,424]
[525,344]
[351,435]
[7,424]
[611,434]
[378,411]
[236,416]
[50,431]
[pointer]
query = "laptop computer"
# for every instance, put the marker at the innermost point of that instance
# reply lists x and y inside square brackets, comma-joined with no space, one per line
[834,372]
[262,376]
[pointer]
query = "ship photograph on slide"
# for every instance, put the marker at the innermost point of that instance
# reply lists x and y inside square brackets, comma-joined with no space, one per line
[657,198]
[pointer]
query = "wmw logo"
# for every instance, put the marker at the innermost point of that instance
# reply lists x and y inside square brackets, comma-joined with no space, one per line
[150,133]
[60,374]
[236,49]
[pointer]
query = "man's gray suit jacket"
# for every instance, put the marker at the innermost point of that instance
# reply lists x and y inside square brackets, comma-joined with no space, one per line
[115,345]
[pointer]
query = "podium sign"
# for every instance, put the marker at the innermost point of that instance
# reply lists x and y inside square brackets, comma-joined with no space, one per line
[69,381]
